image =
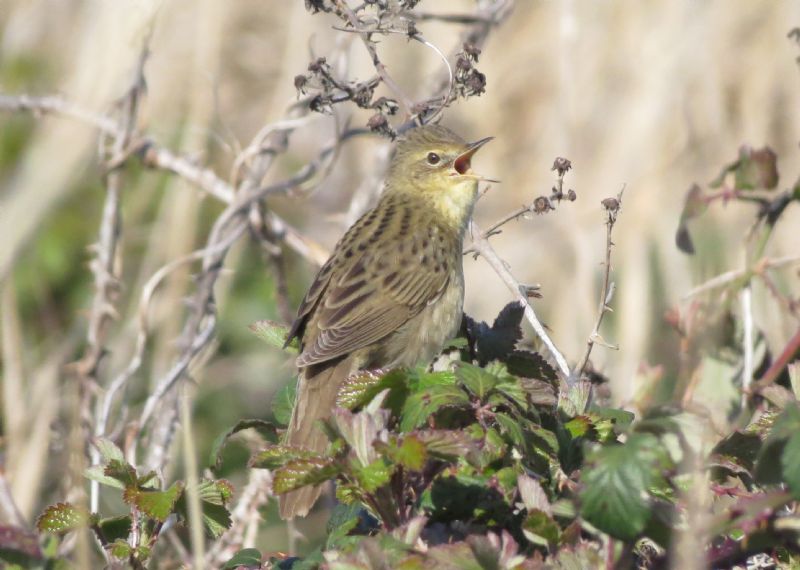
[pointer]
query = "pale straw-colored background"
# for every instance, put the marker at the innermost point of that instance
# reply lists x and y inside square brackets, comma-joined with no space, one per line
[651,95]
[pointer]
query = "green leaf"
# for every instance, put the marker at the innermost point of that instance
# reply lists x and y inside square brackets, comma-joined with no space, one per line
[97,473]
[216,519]
[274,334]
[510,427]
[790,461]
[157,505]
[265,428]
[108,449]
[122,472]
[302,472]
[215,492]
[120,549]
[214,495]
[63,517]
[410,453]
[513,391]
[283,403]
[375,475]
[360,388]
[476,379]
[420,406]
[579,426]
[247,557]
[614,497]
[541,529]
[344,519]
[574,402]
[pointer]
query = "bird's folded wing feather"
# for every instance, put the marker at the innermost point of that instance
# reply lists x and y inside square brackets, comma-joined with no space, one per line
[363,302]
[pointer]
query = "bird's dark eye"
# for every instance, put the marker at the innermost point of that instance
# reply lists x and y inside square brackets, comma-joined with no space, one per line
[433,158]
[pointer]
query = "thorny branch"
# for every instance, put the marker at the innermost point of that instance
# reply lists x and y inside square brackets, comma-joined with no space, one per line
[482,247]
[612,207]
[244,197]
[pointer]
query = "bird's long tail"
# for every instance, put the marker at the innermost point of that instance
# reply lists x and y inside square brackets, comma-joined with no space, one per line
[316,399]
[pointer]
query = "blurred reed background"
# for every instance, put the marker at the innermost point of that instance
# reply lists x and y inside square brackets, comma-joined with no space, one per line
[650,95]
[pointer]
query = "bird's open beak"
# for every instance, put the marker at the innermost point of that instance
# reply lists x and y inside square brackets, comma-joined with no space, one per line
[462,165]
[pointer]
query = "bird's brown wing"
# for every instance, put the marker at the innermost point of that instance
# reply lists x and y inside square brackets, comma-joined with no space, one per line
[364,301]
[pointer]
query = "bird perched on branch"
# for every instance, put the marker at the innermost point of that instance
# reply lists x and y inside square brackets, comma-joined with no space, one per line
[391,293]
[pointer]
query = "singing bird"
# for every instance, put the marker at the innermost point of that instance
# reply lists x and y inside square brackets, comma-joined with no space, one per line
[392,292]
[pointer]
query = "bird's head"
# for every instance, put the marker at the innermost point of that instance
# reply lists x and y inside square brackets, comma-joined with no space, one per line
[434,164]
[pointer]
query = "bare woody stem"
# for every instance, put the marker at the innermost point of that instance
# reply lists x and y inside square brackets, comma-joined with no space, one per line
[482,247]
[612,207]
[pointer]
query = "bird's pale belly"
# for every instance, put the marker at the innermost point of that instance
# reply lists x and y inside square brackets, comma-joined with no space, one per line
[422,337]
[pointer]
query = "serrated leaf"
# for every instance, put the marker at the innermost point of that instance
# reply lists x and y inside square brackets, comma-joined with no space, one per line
[498,341]
[533,365]
[786,425]
[63,517]
[360,388]
[790,462]
[278,455]
[375,475]
[420,406]
[410,453]
[302,472]
[157,505]
[215,492]
[614,497]
[476,379]
[214,495]
[122,472]
[120,549]
[510,427]
[266,429]
[283,403]
[248,558]
[216,519]
[579,426]
[274,334]
[513,391]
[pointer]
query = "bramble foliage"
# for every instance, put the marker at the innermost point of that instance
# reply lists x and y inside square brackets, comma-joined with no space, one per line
[131,537]
[480,467]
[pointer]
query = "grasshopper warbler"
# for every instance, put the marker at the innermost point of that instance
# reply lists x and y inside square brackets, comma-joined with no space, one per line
[392,292]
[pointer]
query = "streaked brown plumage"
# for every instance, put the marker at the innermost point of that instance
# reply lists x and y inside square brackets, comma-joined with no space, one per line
[392,291]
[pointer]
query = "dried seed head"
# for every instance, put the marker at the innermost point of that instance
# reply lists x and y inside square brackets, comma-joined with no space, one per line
[610,204]
[542,205]
[561,165]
